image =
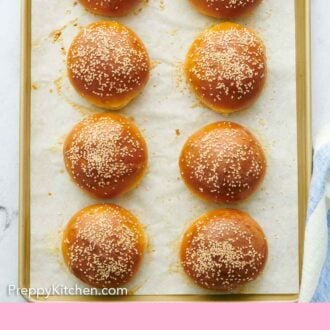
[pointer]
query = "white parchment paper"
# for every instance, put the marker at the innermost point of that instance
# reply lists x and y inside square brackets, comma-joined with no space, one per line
[167,114]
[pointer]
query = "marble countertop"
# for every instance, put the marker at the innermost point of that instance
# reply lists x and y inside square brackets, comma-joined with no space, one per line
[9,121]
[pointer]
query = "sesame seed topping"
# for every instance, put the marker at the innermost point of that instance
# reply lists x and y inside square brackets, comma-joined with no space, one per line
[106,155]
[103,245]
[110,7]
[224,249]
[223,162]
[226,68]
[107,60]
[219,5]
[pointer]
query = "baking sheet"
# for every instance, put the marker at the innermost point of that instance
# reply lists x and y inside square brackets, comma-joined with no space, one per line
[167,114]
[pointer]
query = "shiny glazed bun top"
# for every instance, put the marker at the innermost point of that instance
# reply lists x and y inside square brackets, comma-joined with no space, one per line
[225,8]
[223,163]
[108,65]
[110,7]
[226,67]
[106,155]
[103,245]
[223,250]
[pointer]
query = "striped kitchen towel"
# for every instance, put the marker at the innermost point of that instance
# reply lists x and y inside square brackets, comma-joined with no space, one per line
[316,268]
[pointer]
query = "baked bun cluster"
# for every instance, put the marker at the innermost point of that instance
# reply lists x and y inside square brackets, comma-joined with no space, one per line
[223,163]
[110,8]
[106,155]
[108,65]
[225,8]
[103,245]
[223,250]
[226,67]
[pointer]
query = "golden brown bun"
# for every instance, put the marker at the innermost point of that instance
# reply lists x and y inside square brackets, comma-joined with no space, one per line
[223,163]
[226,67]
[103,245]
[223,250]
[225,8]
[111,8]
[106,155]
[108,65]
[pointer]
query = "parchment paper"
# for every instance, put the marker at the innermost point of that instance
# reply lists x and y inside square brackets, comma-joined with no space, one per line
[167,114]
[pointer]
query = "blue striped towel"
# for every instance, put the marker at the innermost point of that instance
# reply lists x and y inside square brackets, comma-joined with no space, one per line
[316,268]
